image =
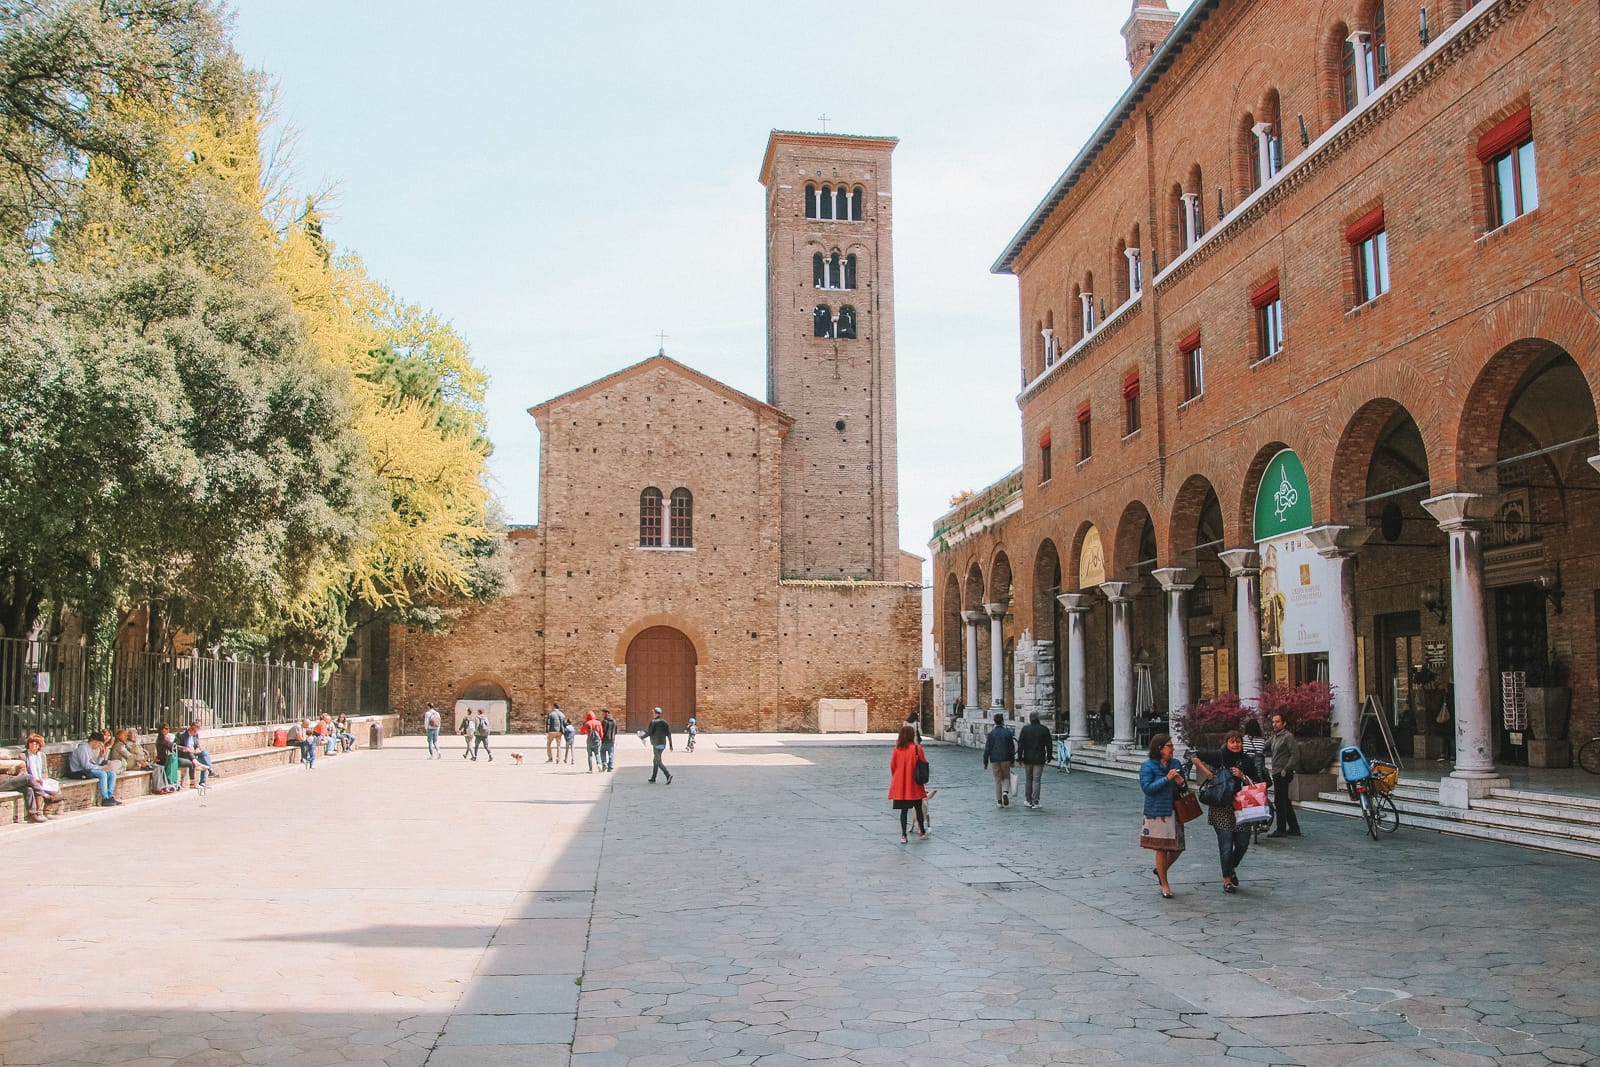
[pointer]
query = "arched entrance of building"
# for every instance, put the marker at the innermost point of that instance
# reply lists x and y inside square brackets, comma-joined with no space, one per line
[488,696]
[661,667]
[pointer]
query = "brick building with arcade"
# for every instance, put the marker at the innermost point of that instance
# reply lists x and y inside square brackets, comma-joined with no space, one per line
[1309,355]
[699,549]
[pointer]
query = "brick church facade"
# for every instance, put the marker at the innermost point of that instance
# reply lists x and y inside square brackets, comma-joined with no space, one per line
[1311,325]
[699,549]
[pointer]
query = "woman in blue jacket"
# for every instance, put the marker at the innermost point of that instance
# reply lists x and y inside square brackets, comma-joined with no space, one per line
[1161,778]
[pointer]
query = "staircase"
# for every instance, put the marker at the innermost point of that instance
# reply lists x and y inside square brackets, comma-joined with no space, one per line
[1548,821]
[1097,760]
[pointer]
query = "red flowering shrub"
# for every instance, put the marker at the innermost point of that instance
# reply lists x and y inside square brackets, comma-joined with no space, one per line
[1307,709]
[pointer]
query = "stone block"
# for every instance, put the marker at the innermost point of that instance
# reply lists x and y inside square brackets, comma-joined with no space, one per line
[841,716]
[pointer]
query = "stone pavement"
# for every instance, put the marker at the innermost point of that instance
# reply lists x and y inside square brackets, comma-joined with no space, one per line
[761,910]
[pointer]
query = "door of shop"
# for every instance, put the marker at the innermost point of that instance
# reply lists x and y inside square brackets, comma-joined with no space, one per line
[1400,680]
[1522,644]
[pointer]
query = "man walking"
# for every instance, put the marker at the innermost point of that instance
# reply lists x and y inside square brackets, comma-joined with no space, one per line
[1285,757]
[480,731]
[999,751]
[430,724]
[554,724]
[659,734]
[1034,748]
[608,740]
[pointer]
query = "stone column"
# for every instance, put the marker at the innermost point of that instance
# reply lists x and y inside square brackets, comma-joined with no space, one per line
[1244,567]
[970,697]
[997,656]
[1464,516]
[1077,606]
[1122,732]
[1176,581]
[1339,544]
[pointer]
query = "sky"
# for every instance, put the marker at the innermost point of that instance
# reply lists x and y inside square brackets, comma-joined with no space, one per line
[565,181]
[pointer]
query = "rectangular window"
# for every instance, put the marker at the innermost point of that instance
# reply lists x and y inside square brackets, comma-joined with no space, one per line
[1085,442]
[1194,366]
[1044,457]
[1369,246]
[1268,305]
[1507,152]
[1130,405]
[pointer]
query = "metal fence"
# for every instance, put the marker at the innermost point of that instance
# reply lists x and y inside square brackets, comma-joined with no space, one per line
[60,691]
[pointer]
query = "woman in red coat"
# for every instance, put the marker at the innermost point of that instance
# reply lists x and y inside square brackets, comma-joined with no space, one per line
[903,788]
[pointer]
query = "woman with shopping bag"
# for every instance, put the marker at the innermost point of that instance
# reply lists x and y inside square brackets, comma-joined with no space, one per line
[1223,771]
[1161,779]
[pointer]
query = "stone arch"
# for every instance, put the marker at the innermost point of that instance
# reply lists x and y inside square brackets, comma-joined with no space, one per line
[973,595]
[619,655]
[1252,479]
[1074,561]
[1502,346]
[1196,504]
[950,632]
[487,683]
[1352,473]
[1047,579]
[1134,538]
[999,577]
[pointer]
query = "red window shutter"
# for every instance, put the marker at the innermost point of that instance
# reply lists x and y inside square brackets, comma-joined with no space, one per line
[1264,294]
[1044,439]
[1130,388]
[1083,414]
[1508,133]
[1365,226]
[1190,343]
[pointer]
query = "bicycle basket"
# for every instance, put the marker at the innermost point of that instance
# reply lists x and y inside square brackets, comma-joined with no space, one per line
[1385,775]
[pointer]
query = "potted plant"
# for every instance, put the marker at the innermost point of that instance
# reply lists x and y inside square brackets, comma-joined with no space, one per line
[1307,711]
[1204,724]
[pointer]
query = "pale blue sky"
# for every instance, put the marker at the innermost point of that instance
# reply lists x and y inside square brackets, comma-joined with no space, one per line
[563,180]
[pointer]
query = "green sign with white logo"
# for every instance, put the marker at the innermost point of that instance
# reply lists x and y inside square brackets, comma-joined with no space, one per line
[1283,499]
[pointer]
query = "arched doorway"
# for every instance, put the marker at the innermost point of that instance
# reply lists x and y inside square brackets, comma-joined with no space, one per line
[661,664]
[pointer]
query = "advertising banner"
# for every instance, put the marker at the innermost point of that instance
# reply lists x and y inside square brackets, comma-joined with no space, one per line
[1296,587]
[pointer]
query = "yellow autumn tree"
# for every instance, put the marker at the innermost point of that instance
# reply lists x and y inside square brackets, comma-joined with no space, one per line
[419,405]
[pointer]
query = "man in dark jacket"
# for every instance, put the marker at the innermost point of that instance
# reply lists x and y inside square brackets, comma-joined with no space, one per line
[659,734]
[1035,745]
[1285,757]
[998,753]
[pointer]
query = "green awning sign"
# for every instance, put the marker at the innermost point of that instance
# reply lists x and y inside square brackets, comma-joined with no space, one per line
[1283,499]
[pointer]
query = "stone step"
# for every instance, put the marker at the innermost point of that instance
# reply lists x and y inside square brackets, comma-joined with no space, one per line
[1566,846]
[1524,795]
[1549,819]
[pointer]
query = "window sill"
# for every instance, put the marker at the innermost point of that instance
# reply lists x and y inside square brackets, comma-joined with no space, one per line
[1361,309]
[1085,460]
[1043,482]
[1267,361]
[664,548]
[1131,434]
[1486,239]
[1192,400]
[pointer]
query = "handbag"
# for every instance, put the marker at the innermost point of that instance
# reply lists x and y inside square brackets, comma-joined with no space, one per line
[919,773]
[1250,805]
[1218,790]
[1186,807]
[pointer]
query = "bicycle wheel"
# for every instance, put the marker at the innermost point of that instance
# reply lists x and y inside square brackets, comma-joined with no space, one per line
[1385,814]
[1368,814]
[1589,755]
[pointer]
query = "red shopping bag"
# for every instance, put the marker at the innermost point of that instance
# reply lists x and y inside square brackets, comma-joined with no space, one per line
[1250,805]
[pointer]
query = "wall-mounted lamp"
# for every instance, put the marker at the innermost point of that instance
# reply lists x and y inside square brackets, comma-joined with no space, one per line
[1220,212]
[1422,28]
[1432,600]
[1305,135]
[1550,585]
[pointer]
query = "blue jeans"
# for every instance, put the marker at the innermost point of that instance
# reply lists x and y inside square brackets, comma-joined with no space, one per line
[201,758]
[608,754]
[656,765]
[433,740]
[308,752]
[106,778]
[1231,847]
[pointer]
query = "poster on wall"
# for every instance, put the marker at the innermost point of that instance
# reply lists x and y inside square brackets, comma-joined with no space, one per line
[1295,585]
[1295,582]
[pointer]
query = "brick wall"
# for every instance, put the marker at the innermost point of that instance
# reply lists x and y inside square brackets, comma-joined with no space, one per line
[851,640]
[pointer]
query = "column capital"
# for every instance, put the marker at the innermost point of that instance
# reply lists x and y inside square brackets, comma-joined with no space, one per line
[1176,579]
[1240,562]
[998,610]
[1075,603]
[1594,461]
[1338,542]
[972,618]
[1115,591]
[1461,511]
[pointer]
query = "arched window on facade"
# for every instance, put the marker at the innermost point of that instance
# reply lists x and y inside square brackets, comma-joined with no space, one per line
[1135,266]
[1091,318]
[1348,94]
[1177,223]
[1378,47]
[650,518]
[857,196]
[1075,310]
[847,323]
[1247,175]
[1119,272]
[811,200]
[819,271]
[834,271]
[681,529]
[822,321]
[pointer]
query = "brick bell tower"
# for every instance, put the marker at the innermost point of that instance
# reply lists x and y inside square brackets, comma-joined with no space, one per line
[830,351]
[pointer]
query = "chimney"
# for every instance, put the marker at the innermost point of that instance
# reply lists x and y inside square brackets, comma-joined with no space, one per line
[1144,31]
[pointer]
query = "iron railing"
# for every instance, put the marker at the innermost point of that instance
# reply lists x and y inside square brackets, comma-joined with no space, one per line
[60,691]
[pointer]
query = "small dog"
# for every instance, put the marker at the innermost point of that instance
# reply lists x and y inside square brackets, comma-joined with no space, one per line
[516,757]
